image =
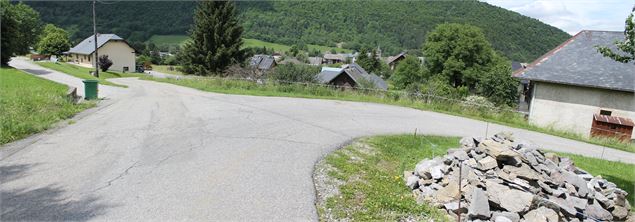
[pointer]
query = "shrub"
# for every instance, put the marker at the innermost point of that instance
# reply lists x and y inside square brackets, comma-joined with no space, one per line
[104,63]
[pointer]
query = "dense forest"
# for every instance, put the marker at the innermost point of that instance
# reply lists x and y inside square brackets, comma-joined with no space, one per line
[392,25]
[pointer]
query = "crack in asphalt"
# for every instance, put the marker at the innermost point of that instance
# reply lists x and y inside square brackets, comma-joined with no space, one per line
[121,175]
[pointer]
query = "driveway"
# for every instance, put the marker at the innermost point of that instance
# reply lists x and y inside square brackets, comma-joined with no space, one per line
[55,76]
[164,152]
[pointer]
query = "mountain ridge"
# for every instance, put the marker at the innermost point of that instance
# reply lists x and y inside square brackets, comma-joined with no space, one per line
[392,26]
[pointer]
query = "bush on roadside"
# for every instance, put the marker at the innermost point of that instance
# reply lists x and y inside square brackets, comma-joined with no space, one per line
[294,73]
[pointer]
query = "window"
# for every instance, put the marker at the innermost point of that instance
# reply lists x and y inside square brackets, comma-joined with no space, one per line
[125,69]
[605,112]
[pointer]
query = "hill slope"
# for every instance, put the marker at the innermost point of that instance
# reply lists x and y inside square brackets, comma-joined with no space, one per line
[394,26]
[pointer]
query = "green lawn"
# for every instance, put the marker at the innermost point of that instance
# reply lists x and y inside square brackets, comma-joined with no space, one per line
[180,39]
[372,169]
[504,117]
[164,69]
[84,73]
[29,104]
[372,172]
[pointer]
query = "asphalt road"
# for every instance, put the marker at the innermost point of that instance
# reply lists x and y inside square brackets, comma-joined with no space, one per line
[164,152]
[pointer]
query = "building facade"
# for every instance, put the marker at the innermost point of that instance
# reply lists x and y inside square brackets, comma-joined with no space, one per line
[572,85]
[121,54]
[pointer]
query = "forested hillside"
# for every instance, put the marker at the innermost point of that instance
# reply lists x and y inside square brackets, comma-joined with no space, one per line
[394,26]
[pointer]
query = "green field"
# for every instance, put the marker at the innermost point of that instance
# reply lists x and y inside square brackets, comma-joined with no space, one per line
[84,73]
[180,39]
[29,104]
[168,39]
[373,189]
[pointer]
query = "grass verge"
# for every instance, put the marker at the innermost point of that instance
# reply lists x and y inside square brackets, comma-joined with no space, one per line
[373,188]
[507,118]
[371,185]
[84,73]
[29,104]
[164,69]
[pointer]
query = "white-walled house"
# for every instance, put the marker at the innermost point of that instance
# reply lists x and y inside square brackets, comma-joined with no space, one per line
[118,50]
[573,86]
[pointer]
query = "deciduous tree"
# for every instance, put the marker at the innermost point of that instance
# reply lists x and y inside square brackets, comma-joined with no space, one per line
[408,71]
[459,52]
[627,47]
[53,41]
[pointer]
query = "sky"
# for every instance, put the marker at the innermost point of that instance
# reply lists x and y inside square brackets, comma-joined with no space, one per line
[573,15]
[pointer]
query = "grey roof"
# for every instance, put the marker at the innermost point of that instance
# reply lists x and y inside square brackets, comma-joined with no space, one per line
[356,73]
[577,62]
[392,59]
[334,57]
[516,66]
[262,62]
[87,46]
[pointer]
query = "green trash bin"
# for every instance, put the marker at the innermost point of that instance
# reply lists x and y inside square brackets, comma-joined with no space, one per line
[90,88]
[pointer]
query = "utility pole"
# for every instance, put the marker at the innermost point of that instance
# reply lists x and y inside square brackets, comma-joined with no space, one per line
[95,35]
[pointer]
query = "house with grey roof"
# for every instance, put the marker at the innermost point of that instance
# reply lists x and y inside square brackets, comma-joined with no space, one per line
[350,75]
[573,82]
[116,48]
[262,63]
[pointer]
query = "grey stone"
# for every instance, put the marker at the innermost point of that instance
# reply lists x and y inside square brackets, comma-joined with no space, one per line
[515,200]
[436,172]
[578,203]
[577,182]
[448,193]
[541,214]
[596,211]
[553,157]
[501,219]
[422,169]
[505,216]
[619,213]
[566,207]
[523,171]
[494,191]
[460,155]
[479,206]
[487,163]
[412,181]
[467,142]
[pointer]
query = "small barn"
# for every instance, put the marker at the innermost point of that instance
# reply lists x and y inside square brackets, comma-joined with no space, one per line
[394,60]
[333,58]
[262,63]
[350,76]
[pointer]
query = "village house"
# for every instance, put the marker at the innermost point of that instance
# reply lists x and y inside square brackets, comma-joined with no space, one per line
[333,58]
[394,60]
[350,75]
[262,63]
[116,48]
[573,87]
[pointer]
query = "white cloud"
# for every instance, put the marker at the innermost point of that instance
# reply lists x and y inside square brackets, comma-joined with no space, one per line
[573,15]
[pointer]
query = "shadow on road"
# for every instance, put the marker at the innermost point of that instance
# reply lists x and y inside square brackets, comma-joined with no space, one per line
[37,71]
[47,203]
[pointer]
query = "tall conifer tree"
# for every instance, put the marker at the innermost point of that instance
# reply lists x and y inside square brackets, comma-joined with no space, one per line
[215,40]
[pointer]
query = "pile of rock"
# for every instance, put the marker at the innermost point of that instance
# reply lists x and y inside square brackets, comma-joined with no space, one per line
[502,179]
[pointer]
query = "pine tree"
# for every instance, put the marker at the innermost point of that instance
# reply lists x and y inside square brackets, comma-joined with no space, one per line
[216,38]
